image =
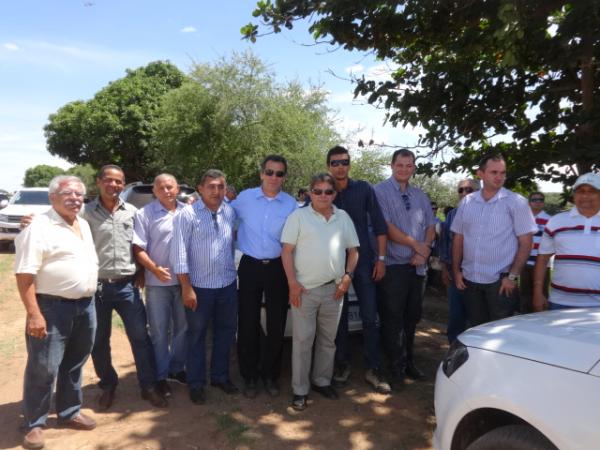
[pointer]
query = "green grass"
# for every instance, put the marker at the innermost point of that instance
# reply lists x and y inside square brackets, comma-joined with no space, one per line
[233,429]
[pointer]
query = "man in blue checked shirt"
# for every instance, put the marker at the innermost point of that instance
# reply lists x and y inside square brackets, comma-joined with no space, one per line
[262,212]
[202,257]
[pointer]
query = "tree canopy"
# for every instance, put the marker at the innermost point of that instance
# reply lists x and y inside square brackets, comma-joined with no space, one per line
[118,124]
[40,175]
[515,76]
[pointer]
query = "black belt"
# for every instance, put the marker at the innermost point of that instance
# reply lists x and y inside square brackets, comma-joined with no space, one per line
[56,298]
[328,283]
[263,261]
[126,279]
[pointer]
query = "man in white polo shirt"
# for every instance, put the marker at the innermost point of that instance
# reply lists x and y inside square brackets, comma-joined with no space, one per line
[57,273]
[319,255]
[573,237]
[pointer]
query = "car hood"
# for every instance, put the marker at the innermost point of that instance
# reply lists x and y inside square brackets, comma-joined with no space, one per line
[565,338]
[21,210]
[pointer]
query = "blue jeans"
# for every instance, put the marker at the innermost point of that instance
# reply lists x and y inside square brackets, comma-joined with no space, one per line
[218,306]
[365,290]
[59,356]
[167,325]
[457,312]
[124,298]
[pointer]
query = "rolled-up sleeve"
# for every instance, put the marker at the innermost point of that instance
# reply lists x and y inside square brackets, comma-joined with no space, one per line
[29,250]
[140,229]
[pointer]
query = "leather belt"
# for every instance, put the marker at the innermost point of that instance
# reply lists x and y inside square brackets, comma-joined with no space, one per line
[126,279]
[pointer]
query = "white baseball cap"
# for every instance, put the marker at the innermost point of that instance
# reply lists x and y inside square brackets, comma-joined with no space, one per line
[591,178]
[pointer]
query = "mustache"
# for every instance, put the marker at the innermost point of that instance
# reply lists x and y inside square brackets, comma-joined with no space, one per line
[73,202]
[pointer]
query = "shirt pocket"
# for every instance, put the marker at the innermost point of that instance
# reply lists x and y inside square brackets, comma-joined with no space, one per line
[126,229]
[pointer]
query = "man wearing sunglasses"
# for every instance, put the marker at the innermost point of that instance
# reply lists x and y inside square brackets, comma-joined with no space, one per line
[358,199]
[411,231]
[262,212]
[319,256]
[492,240]
[457,314]
[536,203]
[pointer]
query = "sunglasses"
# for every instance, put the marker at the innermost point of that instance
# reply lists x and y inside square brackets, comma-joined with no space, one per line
[339,162]
[322,191]
[468,190]
[271,172]
[537,200]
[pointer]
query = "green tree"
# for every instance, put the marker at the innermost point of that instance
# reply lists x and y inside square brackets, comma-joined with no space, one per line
[118,124]
[87,174]
[232,113]
[40,175]
[517,76]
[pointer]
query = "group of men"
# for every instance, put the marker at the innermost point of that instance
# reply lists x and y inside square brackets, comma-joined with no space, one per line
[496,247]
[77,263]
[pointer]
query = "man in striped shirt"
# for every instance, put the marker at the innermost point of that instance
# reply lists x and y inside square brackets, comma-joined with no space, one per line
[202,257]
[573,237]
[492,239]
[536,203]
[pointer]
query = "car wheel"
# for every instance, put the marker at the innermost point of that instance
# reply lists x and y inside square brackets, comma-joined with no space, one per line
[512,437]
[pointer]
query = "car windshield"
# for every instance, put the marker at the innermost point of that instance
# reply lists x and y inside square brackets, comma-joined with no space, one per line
[31,198]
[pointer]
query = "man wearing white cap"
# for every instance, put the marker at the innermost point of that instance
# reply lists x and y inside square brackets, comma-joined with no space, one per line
[573,237]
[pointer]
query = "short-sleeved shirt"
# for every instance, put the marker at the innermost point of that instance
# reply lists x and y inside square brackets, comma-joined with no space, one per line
[490,232]
[153,231]
[575,242]
[64,264]
[202,245]
[360,202]
[113,235]
[541,219]
[261,220]
[320,244]
[411,214]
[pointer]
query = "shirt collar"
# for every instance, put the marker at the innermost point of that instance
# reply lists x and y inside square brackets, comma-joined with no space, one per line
[260,193]
[97,204]
[56,218]
[200,205]
[397,185]
[158,206]
[316,213]
[574,212]
[502,193]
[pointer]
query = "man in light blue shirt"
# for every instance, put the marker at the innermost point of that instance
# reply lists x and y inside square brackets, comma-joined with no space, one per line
[262,212]
[202,258]
[153,231]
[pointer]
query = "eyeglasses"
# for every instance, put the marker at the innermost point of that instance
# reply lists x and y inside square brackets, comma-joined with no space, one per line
[339,162]
[537,200]
[406,201]
[271,172]
[434,209]
[322,191]
[69,193]
[467,189]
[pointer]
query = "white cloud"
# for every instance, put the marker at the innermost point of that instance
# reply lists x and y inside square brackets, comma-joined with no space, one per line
[355,69]
[11,46]
[188,29]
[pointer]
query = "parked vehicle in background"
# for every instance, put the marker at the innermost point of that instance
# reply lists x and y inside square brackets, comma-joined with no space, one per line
[4,199]
[140,194]
[526,382]
[25,201]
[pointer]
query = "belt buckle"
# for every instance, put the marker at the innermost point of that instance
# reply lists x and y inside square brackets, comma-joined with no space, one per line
[265,261]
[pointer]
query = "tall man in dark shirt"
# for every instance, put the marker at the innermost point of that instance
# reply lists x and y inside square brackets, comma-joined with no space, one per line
[357,198]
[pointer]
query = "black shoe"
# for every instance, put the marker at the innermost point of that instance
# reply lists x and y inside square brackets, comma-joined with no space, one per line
[272,387]
[106,399]
[250,389]
[413,372]
[162,387]
[341,374]
[228,387]
[154,397]
[326,391]
[397,381]
[179,377]
[198,396]
[299,402]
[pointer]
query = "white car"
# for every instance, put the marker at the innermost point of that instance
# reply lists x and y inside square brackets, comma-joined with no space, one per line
[527,382]
[25,201]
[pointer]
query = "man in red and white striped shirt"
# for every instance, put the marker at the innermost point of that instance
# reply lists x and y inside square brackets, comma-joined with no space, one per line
[573,237]
[536,203]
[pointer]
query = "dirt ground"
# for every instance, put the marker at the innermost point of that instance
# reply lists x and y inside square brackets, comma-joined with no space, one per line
[360,420]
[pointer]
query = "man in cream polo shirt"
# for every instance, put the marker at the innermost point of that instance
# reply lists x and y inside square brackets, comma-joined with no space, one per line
[320,253]
[56,269]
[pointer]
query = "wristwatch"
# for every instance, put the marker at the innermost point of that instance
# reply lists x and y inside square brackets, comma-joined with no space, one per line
[513,277]
[350,274]
[381,258]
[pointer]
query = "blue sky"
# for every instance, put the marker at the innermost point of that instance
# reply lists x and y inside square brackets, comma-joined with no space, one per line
[54,52]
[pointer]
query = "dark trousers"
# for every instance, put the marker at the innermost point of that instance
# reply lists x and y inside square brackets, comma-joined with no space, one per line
[219,307]
[457,312]
[526,289]
[365,290]
[59,356]
[400,302]
[255,279]
[124,298]
[484,303]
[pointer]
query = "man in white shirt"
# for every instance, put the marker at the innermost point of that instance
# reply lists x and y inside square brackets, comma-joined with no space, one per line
[57,273]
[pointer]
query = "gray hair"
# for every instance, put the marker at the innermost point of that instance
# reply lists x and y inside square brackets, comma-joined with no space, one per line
[164,175]
[474,183]
[212,174]
[59,180]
